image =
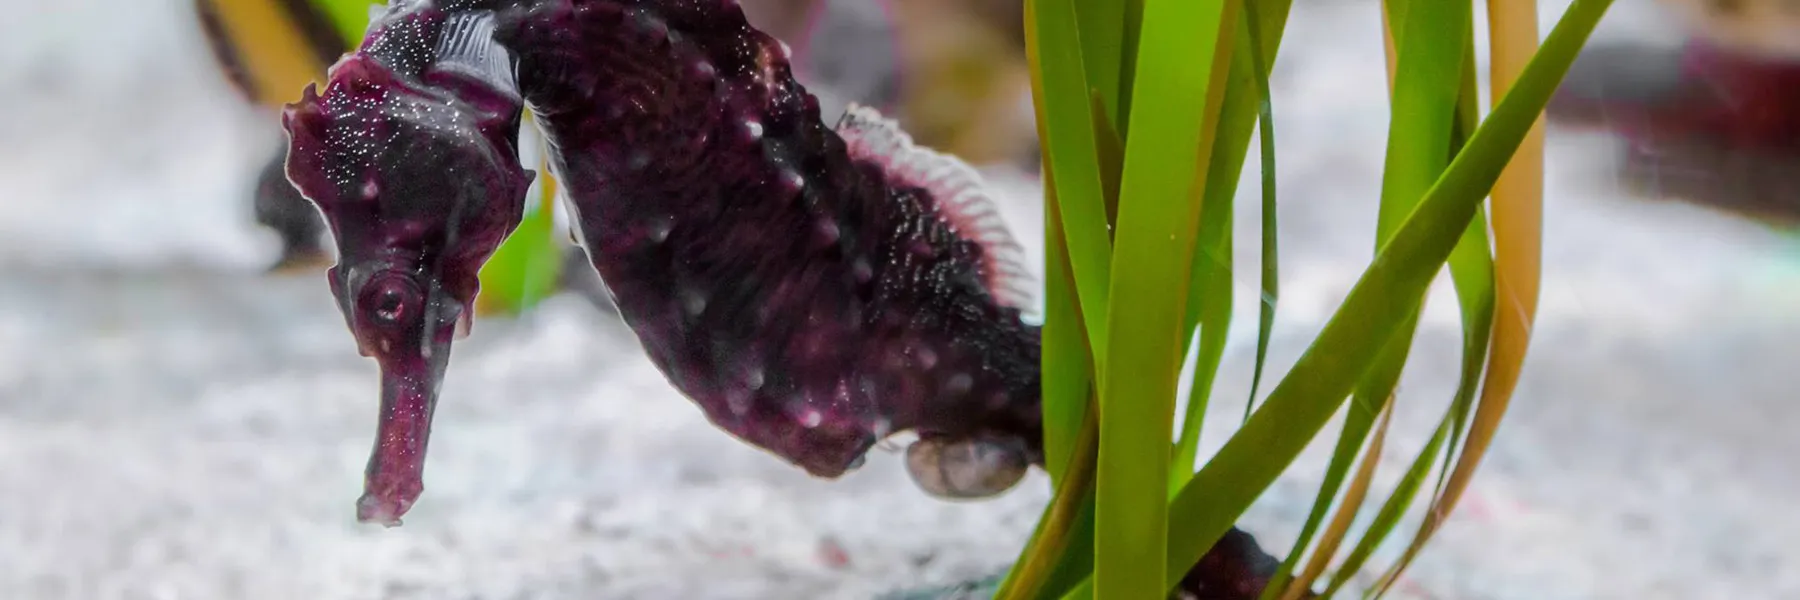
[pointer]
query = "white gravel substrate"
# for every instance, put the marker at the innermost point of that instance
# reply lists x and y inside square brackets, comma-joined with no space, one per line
[175,426]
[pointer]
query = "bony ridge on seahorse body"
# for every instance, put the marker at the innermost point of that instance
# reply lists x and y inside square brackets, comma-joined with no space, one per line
[812,289]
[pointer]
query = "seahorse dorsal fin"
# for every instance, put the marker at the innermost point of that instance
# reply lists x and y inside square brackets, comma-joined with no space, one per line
[960,192]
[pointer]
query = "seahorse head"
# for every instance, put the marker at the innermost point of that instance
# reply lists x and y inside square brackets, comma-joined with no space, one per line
[415,168]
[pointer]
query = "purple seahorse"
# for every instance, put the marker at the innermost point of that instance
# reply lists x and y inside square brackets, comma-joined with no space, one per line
[812,289]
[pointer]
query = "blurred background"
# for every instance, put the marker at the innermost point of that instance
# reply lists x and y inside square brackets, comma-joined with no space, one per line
[178,423]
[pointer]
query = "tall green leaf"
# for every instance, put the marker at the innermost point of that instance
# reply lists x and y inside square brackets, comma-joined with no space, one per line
[1271,263]
[1105,52]
[1067,134]
[1426,78]
[1210,295]
[1164,167]
[1472,271]
[1518,244]
[1061,550]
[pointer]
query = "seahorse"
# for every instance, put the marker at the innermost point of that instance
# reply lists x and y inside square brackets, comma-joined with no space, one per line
[1713,121]
[1734,82]
[813,289]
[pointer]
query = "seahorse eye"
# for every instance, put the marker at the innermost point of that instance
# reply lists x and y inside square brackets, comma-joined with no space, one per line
[389,307]
[389,301]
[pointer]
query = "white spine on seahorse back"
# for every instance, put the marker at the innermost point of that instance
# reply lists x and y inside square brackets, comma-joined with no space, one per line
[959,189]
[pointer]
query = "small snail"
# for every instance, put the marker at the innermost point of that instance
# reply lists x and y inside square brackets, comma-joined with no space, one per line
[969,468]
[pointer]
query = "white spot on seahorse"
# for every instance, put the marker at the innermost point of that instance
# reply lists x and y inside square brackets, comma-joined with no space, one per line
[693,301]
[826,231]
[959,384]
[792,182]
[926,358]
[738,401]
[862,270]
[660,228]
[649,24]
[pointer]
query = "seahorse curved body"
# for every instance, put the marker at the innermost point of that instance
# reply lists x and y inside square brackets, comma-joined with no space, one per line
[812,289]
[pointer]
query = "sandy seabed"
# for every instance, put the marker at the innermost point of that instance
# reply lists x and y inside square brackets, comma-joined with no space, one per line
[175,426]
